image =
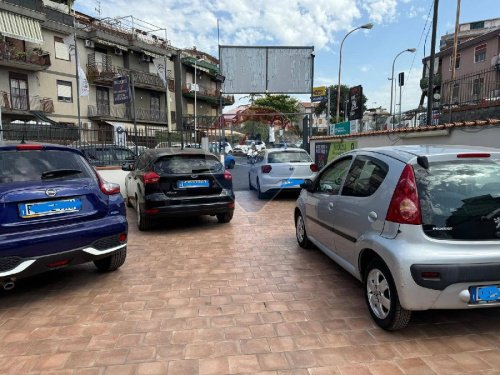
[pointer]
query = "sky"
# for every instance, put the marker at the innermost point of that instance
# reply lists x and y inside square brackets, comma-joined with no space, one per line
[367,55]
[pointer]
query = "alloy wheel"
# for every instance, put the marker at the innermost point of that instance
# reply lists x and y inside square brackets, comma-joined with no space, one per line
[379,294]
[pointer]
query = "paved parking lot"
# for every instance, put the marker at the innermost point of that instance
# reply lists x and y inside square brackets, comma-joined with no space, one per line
[198,297]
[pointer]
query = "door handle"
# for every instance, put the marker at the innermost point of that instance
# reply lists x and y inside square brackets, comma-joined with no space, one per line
[372,216]
[330,206]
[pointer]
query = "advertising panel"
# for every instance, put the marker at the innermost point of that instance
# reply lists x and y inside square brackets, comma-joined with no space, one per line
[121,90]
[355,102]
[324,152]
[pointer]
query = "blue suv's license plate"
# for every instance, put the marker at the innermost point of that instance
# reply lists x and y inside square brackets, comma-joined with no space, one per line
[485,294]
[193,184]
[37,209]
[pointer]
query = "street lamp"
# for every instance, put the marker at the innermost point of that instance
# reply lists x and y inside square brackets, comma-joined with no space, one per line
[412,50]
[367,26]
[195,91]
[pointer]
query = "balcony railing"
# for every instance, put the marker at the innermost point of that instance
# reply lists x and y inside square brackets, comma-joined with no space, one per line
[28,60]
[208,94]
[124,113]
[105,73]
[146,114]
[22,102]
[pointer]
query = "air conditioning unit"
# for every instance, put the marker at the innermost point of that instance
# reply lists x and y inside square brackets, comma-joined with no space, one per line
[89,43]
[118,52]
[495,61]
[146,58]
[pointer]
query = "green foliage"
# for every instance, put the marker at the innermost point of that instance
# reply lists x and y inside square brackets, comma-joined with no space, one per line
[282,103]
[344,93]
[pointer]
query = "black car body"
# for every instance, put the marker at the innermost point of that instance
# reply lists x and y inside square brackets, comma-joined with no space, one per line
[172,182]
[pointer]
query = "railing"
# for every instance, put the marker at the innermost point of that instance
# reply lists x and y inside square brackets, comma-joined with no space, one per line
[106,110]
[20,101]
[476,89]
[36,5]
[36,57]
[208,93]
[145,114]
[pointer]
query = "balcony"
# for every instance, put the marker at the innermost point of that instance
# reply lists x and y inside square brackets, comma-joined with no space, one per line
[115,112]
[208,95]
[21,103]
[103,74]
[34,60]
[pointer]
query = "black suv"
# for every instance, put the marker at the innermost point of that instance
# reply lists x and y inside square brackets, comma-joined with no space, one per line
[170,182]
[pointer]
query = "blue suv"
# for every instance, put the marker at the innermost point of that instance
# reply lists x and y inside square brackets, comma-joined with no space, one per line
[56,211]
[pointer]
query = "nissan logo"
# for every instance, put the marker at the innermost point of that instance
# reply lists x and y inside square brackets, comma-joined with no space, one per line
[194,176]
[50,192]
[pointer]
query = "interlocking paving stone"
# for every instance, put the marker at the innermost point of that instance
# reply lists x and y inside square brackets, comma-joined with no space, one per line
[197,297]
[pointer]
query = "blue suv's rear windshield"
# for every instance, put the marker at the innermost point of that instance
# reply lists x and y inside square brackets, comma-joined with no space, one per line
[27,165]
[460,199]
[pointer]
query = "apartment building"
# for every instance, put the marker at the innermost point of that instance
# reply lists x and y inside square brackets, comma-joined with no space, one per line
[38,75]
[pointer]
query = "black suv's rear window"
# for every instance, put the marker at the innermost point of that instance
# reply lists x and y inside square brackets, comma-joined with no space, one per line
[16,166]
[460,199]
[187,164]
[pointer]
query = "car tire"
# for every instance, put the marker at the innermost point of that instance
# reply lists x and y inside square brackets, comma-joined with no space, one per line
[300,232]
[143,222]
[260,194]
[232,163]
[226,217]
[112,262]
[379,286]
[250,186]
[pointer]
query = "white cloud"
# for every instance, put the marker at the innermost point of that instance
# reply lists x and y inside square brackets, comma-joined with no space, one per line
[416,11]
[249,22]
[365,68]
[381,10]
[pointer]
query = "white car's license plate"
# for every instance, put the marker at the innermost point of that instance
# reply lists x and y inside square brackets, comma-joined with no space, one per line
[289,182]
[192,184]
[485,294]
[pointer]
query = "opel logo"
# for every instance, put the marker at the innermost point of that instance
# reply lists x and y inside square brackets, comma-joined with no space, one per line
[50,192]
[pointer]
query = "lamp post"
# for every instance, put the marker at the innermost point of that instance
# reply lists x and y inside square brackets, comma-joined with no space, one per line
[367,26]
[195,104]
[412,50]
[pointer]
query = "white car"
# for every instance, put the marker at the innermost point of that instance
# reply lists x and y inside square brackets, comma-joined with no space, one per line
[243,149]
[280,169]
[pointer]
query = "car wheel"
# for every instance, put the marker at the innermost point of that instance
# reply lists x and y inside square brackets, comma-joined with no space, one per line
[250,186]
[382,297]
[232,163]
[111,262]
[300,232]
[143,222]
[225,217]
[260,194]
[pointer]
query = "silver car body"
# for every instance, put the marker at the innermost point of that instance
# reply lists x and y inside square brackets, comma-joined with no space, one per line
[283,175]
[346,228]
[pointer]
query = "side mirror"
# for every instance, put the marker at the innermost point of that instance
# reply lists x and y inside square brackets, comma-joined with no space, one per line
[127,167]
[307,184]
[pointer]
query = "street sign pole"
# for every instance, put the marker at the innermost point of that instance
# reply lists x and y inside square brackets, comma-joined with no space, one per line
[328,107]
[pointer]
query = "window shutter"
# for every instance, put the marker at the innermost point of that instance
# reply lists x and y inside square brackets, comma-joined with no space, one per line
[63,91]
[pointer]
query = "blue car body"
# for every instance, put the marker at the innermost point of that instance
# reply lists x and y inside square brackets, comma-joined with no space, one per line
[229,161]
[56,211]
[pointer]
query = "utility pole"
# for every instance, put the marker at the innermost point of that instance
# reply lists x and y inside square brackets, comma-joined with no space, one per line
[454,55]
[328,108]
[430,97]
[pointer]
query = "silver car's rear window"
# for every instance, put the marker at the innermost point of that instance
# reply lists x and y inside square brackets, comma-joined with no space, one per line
[460,199]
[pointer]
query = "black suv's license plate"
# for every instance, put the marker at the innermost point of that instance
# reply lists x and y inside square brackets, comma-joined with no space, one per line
[192,184]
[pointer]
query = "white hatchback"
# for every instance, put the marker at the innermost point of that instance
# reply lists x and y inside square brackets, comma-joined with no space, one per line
[280,169]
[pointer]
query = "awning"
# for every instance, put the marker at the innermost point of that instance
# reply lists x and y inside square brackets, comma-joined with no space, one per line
[20,27]
[151,54]
[127,126]
[111,44]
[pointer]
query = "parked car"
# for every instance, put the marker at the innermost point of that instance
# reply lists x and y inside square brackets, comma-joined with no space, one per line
[56,212]
[223,146]
[229,161]
[244,148]
[100,155]
[418,225]
[172,182]
[279,169]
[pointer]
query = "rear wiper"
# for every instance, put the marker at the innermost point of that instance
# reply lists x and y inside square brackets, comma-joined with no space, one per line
[55,173]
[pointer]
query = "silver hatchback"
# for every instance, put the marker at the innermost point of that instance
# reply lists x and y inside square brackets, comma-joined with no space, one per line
[418,225]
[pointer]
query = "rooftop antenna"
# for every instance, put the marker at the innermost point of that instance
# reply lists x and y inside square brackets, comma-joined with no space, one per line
[98,9]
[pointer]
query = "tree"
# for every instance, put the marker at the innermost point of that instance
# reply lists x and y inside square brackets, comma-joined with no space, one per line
[281,103]
[344,94]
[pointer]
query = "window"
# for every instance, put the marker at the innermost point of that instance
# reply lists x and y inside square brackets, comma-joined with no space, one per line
[61,49]
[480,53]
[155,106]
[457,62]
[19,91]
[365,177]
[460,200]
[288,157]
[186,163]
[477,86]
[331,179]
[172,116]
[64,91]
[477,25]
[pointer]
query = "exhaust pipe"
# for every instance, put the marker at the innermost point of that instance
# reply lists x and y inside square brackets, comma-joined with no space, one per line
[8,284]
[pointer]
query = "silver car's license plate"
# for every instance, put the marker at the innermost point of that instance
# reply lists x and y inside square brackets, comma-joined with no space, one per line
[485,294]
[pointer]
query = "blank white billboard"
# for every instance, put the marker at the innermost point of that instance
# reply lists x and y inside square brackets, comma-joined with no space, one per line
[273,70]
